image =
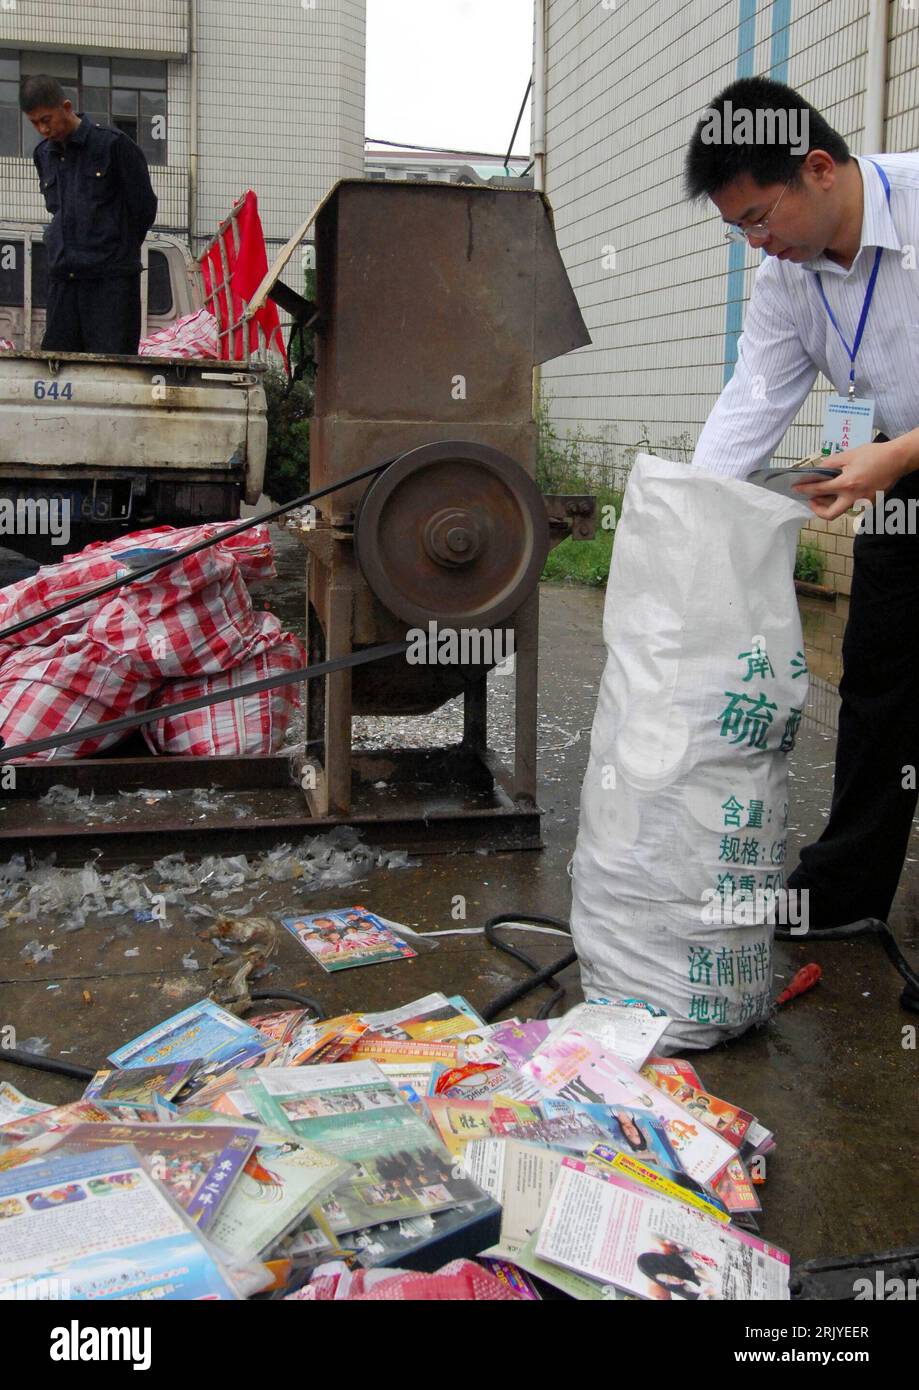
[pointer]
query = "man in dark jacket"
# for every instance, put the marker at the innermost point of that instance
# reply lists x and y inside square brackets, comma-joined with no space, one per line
[96,185]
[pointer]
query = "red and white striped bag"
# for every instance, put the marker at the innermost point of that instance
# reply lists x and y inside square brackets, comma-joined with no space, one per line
[78,574]
[252,549]
[51,690]
[254,724]
[197,634]
[195,335]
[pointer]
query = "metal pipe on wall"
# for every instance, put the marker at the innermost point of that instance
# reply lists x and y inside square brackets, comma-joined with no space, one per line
[539,131]
[873,137]
[539,97]
[193,126]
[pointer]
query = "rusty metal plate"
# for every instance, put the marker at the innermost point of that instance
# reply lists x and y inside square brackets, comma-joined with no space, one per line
[454,533]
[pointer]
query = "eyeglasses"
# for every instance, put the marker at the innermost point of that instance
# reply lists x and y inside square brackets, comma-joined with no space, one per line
[735,232]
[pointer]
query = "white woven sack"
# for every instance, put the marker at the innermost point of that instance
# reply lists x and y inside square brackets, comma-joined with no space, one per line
[684,804]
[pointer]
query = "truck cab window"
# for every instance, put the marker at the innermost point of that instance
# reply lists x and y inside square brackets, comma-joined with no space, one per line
[12,279]
[39,275]
[159,285]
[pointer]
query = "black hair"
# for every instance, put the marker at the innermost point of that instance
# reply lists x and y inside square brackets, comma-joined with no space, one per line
[40,91]
[653,1264]
[642,1144]
[713,162]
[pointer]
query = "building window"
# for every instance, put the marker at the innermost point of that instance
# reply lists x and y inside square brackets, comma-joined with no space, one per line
[127,93]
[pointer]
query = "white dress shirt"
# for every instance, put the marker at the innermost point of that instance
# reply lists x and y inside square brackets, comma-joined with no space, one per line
[788,336]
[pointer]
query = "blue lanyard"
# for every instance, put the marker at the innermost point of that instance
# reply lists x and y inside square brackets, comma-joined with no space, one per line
[852,351]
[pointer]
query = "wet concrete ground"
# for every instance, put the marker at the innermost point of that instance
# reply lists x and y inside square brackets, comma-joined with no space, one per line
[829,1075]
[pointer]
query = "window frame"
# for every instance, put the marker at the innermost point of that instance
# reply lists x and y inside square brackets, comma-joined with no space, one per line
[26,142]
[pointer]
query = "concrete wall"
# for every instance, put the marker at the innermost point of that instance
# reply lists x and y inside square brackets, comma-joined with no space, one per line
[282,105]
[662,292]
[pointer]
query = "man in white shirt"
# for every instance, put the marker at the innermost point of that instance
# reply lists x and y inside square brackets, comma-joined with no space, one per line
[840,235]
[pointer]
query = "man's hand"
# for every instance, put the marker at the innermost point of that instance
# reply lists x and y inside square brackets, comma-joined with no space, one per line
[869,469]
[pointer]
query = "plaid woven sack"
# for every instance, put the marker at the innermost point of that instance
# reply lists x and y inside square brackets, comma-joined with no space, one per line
[254,724]
[170,635]
[52,690]
[252,549]
[195,335]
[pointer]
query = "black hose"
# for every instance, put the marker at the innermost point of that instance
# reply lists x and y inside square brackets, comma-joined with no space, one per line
[78,1073]
[52,1064]
[304,1000]
[870,926]
[541,975]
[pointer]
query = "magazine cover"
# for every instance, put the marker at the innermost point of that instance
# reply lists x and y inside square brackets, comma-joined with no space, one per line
[320,1040]
[719,1115]
[478,1080]
[518,1176]
[31,1127]
[519,1041]
[570,1127]
[99,1226]
[204,1031]
[15,1106]
[141,1083]
[449,1019]
[667,1183]
[415,1008]
[198,1164]
[628,1028]
[351,936]
[351,1109]
[736,1190]
[575,1067]
[605,1227]
[459,1121]
[628,1129]
[282,1179]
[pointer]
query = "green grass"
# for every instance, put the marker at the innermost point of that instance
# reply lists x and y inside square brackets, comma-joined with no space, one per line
[809,565]
[586,562]
[581,562]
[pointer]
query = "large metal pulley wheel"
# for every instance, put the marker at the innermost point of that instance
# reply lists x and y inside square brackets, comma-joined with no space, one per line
[455,533]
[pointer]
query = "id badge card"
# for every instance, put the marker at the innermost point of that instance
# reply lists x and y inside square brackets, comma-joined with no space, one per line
[847,424]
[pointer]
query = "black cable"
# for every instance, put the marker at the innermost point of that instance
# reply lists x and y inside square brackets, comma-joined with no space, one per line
[61,1068]
[305,1001]
[541,975]
[517,126]
[52,1064]
[870,926]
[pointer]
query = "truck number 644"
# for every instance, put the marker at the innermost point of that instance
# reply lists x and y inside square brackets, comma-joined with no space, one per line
[53,391]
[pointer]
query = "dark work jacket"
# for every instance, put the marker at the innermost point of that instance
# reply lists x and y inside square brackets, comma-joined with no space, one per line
[97,186]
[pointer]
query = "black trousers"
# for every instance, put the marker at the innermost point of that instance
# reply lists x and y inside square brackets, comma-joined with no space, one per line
[853,869]
[93,315]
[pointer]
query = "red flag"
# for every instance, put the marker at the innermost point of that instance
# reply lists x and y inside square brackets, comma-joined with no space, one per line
[246,264]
